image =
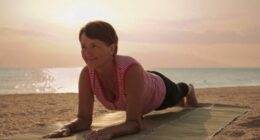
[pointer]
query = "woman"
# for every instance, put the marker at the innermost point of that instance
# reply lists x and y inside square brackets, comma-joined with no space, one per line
[119,83]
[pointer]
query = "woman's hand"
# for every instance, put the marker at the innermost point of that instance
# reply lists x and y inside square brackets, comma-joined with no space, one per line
[62,132]
[102,134]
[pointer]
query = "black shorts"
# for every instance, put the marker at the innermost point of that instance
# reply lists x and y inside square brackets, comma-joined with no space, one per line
[174,92]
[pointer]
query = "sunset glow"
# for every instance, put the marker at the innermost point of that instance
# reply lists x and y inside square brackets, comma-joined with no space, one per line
[44,33]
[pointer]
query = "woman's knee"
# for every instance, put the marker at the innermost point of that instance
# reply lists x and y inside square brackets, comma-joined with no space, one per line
[183,87]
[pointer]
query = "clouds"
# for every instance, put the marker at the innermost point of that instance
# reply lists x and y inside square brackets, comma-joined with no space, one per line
[219,30]
[40,36]
[14,40]
[32,48]
[42,30]
[6,31]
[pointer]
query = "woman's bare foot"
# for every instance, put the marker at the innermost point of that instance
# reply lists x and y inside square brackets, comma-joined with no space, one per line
[191,99]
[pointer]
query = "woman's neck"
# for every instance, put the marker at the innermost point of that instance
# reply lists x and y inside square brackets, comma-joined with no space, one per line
[107,70]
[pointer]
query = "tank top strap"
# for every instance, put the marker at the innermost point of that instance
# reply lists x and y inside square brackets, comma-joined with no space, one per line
[123,63]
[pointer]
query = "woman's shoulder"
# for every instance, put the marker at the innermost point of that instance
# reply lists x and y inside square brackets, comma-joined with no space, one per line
[127,62]
[125,58]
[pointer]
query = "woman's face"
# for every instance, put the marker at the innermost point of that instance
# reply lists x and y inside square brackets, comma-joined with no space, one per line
[95,52]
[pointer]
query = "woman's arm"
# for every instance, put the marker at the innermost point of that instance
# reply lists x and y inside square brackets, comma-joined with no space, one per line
[85,110]
[134,87]
[86,103]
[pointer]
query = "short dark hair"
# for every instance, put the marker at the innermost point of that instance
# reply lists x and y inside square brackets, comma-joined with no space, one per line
[102,31]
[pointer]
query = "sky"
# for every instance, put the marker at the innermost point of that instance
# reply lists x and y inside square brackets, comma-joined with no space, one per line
[158,33]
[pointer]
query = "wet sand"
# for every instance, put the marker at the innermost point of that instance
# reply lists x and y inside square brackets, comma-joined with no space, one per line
[23,113]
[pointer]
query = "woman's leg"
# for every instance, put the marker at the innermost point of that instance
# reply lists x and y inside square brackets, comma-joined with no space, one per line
[176,93]
[184,89]
[190,96]
[191,99]
[181,103]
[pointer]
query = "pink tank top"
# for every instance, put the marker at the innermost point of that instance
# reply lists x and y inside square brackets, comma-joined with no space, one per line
[154,88]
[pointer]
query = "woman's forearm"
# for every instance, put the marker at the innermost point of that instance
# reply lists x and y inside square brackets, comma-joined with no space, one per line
[78,125]
[126,128]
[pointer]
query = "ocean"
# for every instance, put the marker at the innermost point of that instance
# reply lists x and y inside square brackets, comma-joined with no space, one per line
[65,80]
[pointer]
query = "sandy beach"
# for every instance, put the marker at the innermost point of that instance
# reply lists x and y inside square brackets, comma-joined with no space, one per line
[23,113]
